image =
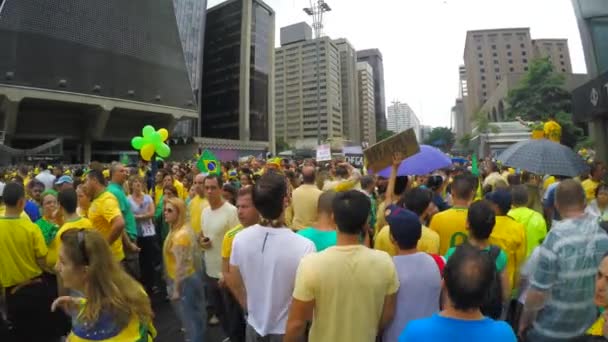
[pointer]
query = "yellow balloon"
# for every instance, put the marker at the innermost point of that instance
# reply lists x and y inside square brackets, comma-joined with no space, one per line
[164,134]
[147,151]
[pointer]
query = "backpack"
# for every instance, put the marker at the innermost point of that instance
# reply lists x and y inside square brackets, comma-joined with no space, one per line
[492,306]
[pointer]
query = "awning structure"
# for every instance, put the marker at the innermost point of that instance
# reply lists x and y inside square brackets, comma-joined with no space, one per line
[51,148]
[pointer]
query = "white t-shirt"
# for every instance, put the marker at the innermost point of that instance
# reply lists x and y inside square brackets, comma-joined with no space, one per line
[215,224]
[268,259]
[46,178]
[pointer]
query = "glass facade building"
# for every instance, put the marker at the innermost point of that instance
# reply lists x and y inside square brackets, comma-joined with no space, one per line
[190,15]
[237,67]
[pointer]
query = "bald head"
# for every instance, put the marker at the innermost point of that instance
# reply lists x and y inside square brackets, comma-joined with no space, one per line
[308,174]
[199,184]
[569,197]
[118,173]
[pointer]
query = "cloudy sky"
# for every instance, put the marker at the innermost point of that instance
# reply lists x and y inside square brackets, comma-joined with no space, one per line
[422,41]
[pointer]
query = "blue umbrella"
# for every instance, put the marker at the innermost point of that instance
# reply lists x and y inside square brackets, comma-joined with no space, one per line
[424,162]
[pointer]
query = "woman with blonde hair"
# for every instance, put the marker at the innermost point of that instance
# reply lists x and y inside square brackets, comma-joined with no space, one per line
[184,284]
[114,306]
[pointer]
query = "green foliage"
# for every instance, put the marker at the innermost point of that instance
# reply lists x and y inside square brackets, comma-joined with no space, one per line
[281,145]
[465,142]
[383,134]
[441,137]
[484,126]
[541,95]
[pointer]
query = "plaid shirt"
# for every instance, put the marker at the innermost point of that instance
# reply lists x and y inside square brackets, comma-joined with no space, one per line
[566,270]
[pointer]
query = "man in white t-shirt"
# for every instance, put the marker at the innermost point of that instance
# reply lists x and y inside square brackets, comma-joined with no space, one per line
[46,177]
[216,219]
[264,261]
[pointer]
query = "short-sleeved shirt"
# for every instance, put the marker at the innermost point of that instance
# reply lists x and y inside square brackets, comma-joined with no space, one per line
[501,259]
[304,201]
[228,239]
[439,328]
[534,223]
[125,208]
[80,223]
[451,227]
[566,270]
[102,211]
[215,223]
[346,281]
[589,185]
[21,243]
[322,239]
[429,241]
[197,204]
[145,228]
[181,241]
[510,236]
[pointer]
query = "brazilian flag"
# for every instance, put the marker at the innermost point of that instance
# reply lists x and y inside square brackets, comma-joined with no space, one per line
[208,163]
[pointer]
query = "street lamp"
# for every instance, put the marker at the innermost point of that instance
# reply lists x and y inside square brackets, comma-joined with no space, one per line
[316,11]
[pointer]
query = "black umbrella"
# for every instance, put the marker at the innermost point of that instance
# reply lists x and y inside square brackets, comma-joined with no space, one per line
[543,157]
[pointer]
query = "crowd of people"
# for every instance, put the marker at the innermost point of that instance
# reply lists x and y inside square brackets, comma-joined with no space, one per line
[283,250]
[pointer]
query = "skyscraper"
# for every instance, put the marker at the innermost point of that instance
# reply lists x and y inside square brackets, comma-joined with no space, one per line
[237,92]
[296,91]
[402,117]
[374,58]
[366,102]
[489,55]
[190,15]
[350,94]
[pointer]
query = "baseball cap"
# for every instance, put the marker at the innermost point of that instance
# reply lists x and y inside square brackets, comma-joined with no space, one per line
[502,198]
[404,224]
[64,179]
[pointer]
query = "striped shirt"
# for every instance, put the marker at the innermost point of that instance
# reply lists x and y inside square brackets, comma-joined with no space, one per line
[568,261]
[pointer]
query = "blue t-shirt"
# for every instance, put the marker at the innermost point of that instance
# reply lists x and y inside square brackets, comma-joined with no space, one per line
[32,210]
[438,328]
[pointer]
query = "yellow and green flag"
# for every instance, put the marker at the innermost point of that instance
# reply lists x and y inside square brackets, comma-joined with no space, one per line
[208,163]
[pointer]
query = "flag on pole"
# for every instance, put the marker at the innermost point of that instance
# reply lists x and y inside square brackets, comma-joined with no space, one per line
[208,163]
[474,165]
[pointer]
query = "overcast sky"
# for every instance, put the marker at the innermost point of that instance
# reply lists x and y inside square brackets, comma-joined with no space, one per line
[422,41]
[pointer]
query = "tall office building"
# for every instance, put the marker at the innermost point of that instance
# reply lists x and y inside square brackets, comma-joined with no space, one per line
[490,55]
[366,102]
[402,117]
[190,15]
[374,58]
[237,91]
[350,94]
[297,114]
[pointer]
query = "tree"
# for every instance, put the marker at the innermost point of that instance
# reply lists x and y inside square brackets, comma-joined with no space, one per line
[441,137]
[465,142]
[541,94]
[281,145]
[483,124]
[383,134]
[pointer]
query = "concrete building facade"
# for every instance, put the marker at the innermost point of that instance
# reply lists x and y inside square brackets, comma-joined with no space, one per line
[374,58]
[237,91]
[190,15]
[366,102]
[401,117]
[490,55]
[297,116]
[458,119]
[352,124]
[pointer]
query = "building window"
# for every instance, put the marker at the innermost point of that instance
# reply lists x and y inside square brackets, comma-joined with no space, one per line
[563,70]
[508,46]
[482,70]
[522,44]
[523,53]
[494,54]
[485,94]
[480,55]
[561,56]
[524,60]
[509,53]
[496,70]
[498,77]
[478,47]
[480,62]
[493,47]
[495,61]
[510,61]
[512,69]
[525,68]
[483,78]
[562,63]
[483,85]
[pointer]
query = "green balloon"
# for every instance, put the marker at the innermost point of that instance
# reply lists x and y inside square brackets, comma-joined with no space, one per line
[156,139]
[137,142]
[163,150]
[147,131]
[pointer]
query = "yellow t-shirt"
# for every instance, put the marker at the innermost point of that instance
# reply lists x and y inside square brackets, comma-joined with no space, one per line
[305,201]
[589,185]
[103,210]
[51,257]
[181,191]
[22,215]
[548,181]
[181,239]
[428,243]
[451,225]
[228,239]
[197,204]
[332,279]
[510,236]
[21,243]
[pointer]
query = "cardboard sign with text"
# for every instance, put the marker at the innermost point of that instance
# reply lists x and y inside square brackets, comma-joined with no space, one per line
[323,153]
[380,155]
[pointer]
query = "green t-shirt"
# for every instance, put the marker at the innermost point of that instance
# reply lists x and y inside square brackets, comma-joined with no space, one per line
[321,238]
[125,208]
[501,260]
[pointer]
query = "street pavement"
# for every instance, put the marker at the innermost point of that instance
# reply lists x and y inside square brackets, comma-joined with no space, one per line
[168,327]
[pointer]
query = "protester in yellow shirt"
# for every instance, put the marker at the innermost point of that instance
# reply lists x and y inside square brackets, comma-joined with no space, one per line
[105,214]
[419,201]
[508,234]
[533,222]
[552,130]
[451,224]
[197,204]
[22,261]
[68,201]
[596,175]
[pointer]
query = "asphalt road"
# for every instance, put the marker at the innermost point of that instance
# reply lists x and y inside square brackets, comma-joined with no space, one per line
[168,326]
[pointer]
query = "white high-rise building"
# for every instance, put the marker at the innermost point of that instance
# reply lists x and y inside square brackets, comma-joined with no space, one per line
[366,102]
[402,117]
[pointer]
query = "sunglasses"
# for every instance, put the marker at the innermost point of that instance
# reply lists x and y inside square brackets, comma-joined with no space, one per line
[82,246]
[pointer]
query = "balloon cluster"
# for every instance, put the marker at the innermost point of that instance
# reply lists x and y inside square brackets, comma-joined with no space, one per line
[151,142]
